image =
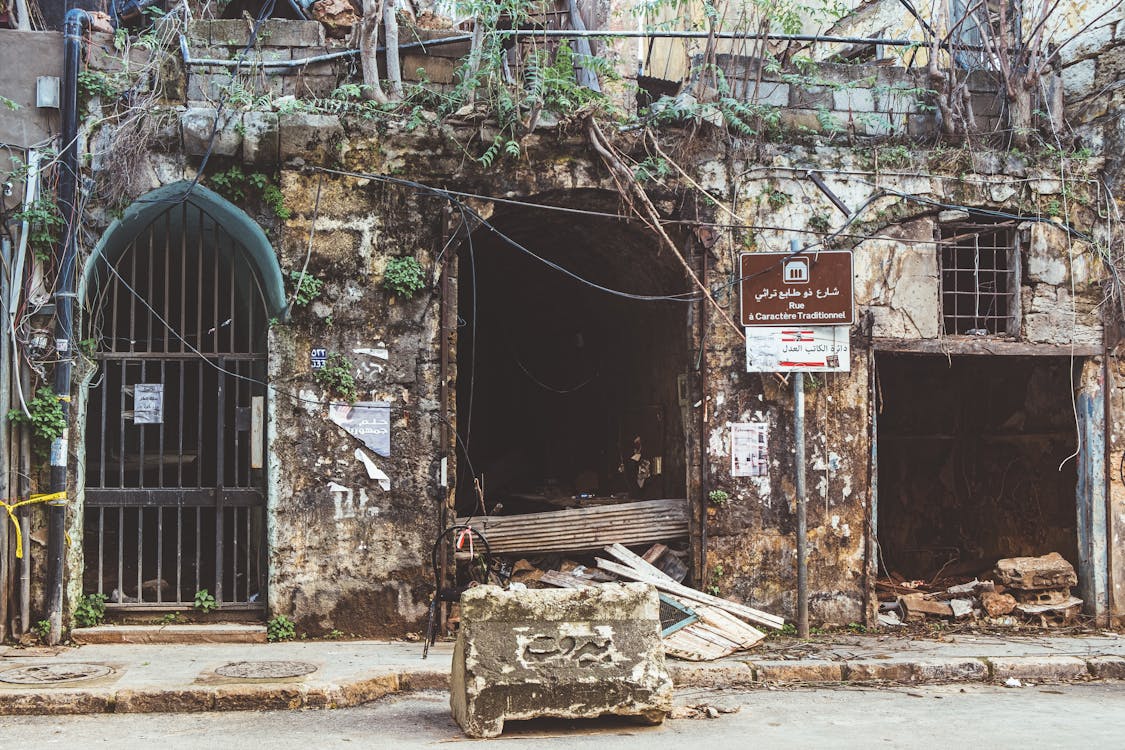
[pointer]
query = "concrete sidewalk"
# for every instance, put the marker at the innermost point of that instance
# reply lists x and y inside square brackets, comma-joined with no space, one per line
[126,678]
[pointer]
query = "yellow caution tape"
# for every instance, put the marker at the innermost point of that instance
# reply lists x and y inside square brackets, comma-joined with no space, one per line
[33,500]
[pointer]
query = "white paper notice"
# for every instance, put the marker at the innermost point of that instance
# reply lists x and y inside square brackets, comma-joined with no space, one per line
[798,348]
[749,451]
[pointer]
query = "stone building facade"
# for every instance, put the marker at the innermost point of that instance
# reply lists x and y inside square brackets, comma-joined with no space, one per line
[977,420]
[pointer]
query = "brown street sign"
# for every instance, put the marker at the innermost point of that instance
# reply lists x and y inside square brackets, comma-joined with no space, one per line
[809,288]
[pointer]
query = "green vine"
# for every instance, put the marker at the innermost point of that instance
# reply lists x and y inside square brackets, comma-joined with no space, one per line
[304,288]
[336,377]
[90,610]
[45,222]
[45,417]
[236,186]
[404,276]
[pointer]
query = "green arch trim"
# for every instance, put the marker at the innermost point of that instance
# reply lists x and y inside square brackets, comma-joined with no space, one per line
[234,220]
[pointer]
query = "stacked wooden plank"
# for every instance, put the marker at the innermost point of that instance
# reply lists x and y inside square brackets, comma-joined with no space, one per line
[721,628]
[585,529]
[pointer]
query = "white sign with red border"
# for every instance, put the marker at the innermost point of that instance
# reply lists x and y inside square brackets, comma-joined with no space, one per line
[798,349]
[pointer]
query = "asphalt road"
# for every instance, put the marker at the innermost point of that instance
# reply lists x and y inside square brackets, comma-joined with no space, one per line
[1047,716]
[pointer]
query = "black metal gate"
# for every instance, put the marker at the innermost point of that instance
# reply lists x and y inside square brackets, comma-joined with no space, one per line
[175,426]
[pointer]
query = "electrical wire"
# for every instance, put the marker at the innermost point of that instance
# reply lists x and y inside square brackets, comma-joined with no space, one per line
[481,221]
[264,383]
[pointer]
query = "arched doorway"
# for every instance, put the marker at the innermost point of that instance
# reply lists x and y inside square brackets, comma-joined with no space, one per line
[179,295]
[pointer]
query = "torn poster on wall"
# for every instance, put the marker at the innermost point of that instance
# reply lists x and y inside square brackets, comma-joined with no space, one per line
[368,421]
[749,449]
[798,348]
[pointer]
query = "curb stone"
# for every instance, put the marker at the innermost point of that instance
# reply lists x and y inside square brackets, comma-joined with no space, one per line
[1049,668]
[738,674]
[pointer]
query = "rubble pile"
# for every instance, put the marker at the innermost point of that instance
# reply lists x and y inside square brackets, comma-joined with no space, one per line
[694,625]
[1020,589]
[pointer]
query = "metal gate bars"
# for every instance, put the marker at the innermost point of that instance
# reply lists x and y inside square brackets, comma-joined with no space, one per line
[175,500]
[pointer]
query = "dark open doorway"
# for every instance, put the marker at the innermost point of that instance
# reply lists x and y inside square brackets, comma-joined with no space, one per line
[976,462]
[568,395]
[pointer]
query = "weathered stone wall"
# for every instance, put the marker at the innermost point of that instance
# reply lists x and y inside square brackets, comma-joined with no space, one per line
[348,554]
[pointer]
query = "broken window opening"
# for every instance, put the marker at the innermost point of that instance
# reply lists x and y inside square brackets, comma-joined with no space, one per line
[979,277]
[972,464]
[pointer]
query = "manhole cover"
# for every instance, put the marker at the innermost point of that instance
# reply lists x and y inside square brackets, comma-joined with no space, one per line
[257,670]
[42,674]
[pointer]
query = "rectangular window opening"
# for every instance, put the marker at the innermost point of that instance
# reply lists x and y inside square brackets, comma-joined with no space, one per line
[979,278]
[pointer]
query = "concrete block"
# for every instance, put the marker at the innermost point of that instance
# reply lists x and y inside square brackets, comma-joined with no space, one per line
[897,101]
[773,94]
[564,653]
[716,675]
[801,120]
[163,701]
[260,137]
[170,634]
[879,670]
[809,97]
[55,702]
[853,100]
[434,69]
[198,124]
[922,126]
[1078,79]
[1046,668]
[1050,571]
[279,32]
[1107,667]
[936,669]
[805,670]
[306,86]
[198,33]
[308,136]
[258,698]
[231,32]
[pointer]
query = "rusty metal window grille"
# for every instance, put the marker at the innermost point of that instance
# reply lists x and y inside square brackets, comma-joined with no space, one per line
[980,278]
[175,482]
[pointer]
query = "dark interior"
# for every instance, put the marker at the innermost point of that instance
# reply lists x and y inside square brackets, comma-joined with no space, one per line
[970,450]
[560,385]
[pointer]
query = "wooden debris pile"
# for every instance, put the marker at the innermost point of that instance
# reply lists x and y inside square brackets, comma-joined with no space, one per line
[1027,588]
[696,625]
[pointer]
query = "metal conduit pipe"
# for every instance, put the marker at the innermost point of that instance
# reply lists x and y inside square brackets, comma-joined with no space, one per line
[24,484]
[563,33]
[77,22]
[5,446]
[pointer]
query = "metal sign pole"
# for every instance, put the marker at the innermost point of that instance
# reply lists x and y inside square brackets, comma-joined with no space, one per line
[802,526]
[802,546]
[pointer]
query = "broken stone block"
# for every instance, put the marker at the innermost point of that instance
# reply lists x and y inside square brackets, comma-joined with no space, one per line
[997,605]
[571,653]
[918,606]
[203,135]
[1042,596]
[1029,573]
[961,607]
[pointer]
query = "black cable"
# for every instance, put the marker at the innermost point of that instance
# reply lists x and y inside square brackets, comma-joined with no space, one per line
[473,323]
[481,221]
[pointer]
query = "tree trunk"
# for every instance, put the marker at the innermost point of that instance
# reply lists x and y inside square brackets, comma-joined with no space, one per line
[390,33]
[369,50]
[1019,114]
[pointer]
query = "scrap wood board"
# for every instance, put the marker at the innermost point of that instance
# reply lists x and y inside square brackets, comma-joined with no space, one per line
[636,569]
[585,529]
